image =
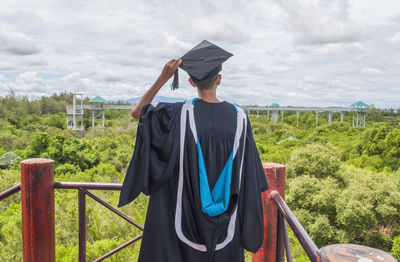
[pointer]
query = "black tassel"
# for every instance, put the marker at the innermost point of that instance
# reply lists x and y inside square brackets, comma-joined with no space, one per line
[175,82]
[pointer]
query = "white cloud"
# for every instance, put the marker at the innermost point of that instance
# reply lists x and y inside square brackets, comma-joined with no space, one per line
[32,61]
[122,60]
[17,43]
[168,46]
[4,66]
[109,76]
[77,80]
[321,22]
[395,39]
[223,30]
[27,83]
[71,77]
[5,85]
[371,71]
[330,49]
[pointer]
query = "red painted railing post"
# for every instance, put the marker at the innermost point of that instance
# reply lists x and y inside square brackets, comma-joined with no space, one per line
[275,174]
[37,202]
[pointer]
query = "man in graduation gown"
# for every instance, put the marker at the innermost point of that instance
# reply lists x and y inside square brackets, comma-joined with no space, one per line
[199,163]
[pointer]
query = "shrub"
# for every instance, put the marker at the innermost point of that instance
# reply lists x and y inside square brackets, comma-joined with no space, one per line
[56,121]
[39,144]
[396,248]
[315,160]
[66,169]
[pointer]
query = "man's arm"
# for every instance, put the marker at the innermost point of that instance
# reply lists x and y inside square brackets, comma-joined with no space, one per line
[167,72]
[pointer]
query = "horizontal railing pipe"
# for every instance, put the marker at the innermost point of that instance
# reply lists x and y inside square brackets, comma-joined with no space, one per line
[87,185]
[10,191]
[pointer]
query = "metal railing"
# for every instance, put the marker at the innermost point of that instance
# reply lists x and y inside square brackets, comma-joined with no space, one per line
[286,215]
[83,188]
[37,197]
[9,192]
[37,204]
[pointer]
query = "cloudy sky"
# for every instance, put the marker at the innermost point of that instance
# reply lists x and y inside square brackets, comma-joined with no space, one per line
[293,52]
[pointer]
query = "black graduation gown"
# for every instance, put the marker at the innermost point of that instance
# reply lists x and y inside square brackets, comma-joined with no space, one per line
[154,168]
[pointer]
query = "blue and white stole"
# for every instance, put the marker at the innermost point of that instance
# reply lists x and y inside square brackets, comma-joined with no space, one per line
[215,202]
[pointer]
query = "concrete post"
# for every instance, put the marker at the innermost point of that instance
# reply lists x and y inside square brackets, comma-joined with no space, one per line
[93,118]
[330,116]
[37,204]
[357,120]
[364,120]
[275,174]
[102,121]
[74,112]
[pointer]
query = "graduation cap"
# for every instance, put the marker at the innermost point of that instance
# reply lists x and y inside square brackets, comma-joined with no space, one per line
[202,62]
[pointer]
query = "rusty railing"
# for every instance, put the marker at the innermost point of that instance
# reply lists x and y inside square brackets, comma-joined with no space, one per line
[38,230]
[83,188]
[276,239]
[37,204]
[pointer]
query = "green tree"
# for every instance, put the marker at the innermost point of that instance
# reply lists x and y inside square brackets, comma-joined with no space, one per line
[39,144]
[313,201]
[315,160]
[56,121]
[392,143]
[396,248]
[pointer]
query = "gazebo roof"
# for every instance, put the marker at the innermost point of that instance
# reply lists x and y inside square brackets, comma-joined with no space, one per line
[360,104]
[8,159]
[98,99]
[275,105]
[290,138]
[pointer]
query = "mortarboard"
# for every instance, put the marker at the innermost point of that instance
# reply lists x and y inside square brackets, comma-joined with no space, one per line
[202,62]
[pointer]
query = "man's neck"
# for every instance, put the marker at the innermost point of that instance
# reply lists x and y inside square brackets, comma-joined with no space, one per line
[209,95]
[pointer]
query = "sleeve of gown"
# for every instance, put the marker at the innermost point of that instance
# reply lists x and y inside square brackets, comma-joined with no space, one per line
[156,151]
[254,182]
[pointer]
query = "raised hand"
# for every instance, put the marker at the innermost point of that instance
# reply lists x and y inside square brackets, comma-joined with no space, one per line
[169,69]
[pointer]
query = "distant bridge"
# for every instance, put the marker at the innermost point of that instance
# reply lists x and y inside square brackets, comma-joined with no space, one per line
[359,111]
[98,105]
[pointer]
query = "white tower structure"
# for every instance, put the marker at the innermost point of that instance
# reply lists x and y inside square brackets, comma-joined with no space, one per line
[75,113]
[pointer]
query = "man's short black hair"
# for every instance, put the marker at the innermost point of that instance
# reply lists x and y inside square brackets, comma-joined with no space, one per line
[205,84]
[209,81]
